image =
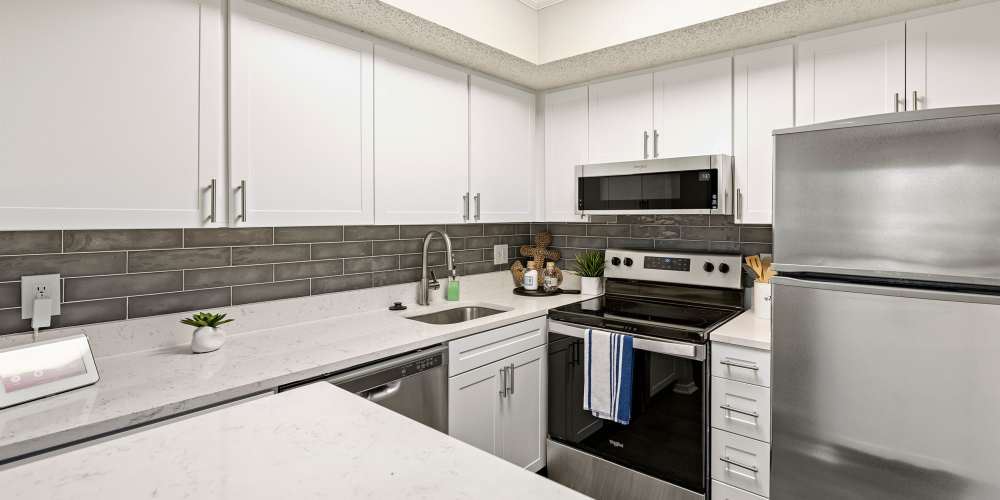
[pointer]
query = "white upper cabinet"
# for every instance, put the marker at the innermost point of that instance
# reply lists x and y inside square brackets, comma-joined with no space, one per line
[851,74]
[953,59]
[301,121]
[565,148]
[112,113]
[764,96]
[501,150]
[621,119]
[421,140]
[693,109]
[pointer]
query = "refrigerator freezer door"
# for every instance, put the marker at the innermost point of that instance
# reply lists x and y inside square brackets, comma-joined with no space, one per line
[915,195]
[884,393]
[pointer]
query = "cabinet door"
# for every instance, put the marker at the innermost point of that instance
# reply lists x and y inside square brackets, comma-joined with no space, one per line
[501,147]
[474,399]
[621,119]
[693,110]
[421,140]
[764,96]
[565,148]
[851,74]
[301,120]
[524,410]
[953,59]
[111,113]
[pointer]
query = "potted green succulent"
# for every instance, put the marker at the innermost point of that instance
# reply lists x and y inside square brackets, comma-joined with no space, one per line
[590,266]
[208,334]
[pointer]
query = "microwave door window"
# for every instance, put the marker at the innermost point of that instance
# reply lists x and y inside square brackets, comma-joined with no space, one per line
[661,191]
[624,192]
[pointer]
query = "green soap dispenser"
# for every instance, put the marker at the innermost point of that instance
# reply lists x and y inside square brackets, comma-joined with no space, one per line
[452,293]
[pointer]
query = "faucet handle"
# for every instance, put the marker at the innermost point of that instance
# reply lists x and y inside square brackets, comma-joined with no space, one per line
[433,283]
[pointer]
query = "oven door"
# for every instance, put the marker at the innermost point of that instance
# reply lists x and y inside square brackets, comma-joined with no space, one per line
[666,437]
[694,185]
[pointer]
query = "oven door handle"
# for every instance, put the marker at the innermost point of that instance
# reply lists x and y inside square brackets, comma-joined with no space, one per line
[666,347]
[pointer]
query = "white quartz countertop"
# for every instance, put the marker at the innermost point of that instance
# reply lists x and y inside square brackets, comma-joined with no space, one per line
[143,387]
[317,441]
[745,330]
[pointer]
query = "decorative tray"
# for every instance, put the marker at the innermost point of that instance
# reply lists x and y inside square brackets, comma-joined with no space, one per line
[537,293]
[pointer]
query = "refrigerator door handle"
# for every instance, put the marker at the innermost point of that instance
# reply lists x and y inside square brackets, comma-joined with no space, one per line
[890,291]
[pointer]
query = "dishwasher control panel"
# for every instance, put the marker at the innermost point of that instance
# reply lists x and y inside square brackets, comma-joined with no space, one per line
[422,364]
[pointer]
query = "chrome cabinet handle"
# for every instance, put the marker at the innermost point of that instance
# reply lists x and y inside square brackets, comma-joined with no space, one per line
[645,144]
[739,205]
[730,461]
[503,382]
[465,203]
[510,379]
[914,100]
[243,201]
[478,199]
[656,143]
[741,412]
[897,102]
[737,364]
[212,191]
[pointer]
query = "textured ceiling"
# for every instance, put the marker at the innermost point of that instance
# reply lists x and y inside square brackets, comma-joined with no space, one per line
[766,24]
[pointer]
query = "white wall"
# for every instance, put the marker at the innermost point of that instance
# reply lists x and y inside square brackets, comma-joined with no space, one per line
[574,27]
[508,25]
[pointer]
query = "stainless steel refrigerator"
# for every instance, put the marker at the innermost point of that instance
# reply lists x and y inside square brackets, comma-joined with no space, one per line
[886,321]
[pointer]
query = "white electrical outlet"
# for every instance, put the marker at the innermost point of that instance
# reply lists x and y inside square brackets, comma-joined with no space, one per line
[499,254]
[42,286]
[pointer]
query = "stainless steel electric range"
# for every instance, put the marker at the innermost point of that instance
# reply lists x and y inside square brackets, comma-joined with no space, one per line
[668,303]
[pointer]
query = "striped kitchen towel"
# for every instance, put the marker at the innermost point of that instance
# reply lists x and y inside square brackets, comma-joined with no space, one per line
[607,386]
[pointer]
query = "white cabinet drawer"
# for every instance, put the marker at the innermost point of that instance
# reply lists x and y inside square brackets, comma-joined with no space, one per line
[742,462]
[741,408]
[484,348]
[722,491]
[741,364]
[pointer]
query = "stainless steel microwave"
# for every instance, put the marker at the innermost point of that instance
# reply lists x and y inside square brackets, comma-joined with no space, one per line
[689,185]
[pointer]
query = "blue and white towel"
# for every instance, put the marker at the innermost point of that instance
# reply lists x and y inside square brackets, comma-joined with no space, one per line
[607,374]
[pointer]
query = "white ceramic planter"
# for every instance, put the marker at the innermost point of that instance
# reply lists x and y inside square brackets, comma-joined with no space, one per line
[591,286]
[762,300]
[207,339]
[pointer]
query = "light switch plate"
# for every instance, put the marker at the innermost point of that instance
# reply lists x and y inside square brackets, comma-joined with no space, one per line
[499,254]
[40,286]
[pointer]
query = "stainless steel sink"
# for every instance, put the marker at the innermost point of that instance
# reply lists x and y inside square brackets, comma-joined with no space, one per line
[456,315]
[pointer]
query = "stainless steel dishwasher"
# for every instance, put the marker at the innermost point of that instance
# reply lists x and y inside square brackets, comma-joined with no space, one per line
[414,385]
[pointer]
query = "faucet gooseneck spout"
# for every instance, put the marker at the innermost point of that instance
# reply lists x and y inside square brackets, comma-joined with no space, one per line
[425,286]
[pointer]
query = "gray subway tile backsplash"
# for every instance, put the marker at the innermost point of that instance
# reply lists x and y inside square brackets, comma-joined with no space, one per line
[170,260]
[25,242]
[308,234]
[266,254]
[246,294]
[121,239]
[117,274]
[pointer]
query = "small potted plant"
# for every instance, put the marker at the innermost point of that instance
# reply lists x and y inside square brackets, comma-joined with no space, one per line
[590,266]
[208,336]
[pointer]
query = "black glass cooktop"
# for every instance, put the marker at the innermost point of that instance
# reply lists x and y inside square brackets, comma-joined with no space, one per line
[641,316]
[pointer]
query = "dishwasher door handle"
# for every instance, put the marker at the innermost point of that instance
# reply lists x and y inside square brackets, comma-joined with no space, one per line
[383,391]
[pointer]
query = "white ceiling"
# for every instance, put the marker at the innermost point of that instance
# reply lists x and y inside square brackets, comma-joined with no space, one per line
[777,21]
[540,4]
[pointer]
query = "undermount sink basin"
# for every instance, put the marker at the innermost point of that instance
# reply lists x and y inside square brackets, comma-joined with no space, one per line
[456,315]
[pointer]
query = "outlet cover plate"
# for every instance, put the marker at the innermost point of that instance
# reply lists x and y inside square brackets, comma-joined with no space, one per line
[30,285]
[500,254]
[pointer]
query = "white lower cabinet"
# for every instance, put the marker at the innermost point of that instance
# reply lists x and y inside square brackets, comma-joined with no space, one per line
[499,407]
[741,422]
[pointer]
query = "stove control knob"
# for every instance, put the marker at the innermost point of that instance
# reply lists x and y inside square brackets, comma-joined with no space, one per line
[616,261]
[628,262]
[723,268]
[708,267]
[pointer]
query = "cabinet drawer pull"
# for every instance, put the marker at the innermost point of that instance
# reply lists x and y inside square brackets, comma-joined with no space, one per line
[478,199]
[737,364]
[503,382]
[510,379]
[914,100]
[465,205]
[243,201]
[741,412]
[656,143]
[897,101]
[645,145]
[730,461]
